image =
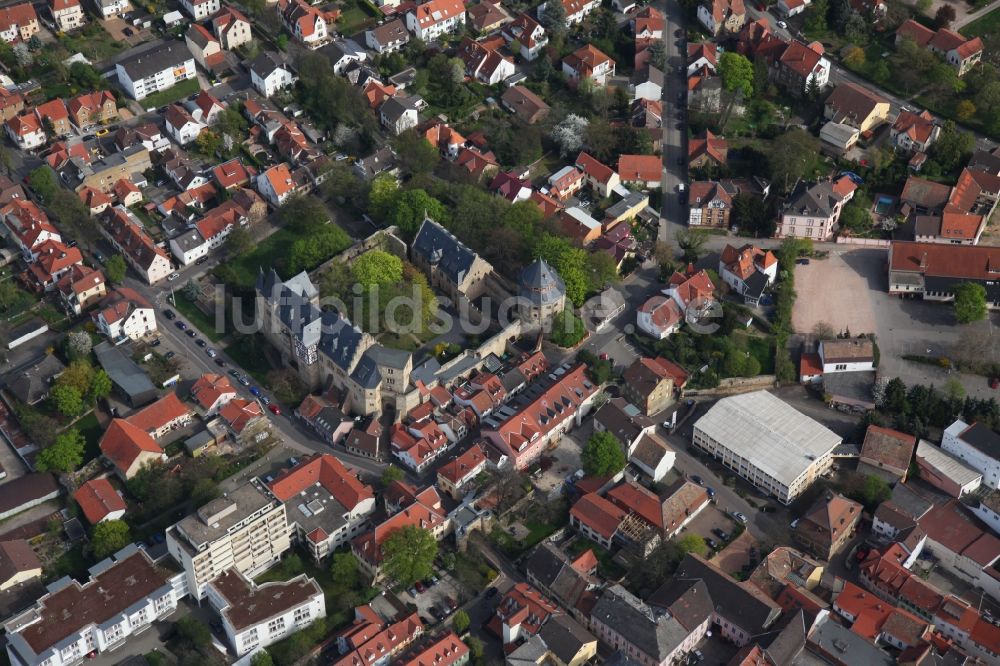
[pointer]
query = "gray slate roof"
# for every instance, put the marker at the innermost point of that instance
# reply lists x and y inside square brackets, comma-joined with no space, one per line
[621,610]
[818,199]
[439,247]
[150,62]
[31,384]
[540,283]
[267,62]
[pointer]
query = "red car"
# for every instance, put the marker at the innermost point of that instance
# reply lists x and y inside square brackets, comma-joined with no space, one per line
[994,382]
[274,409]
[420,586]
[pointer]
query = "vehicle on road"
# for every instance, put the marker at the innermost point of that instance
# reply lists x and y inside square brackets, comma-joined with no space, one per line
[697,479]
[169,354]
[181,325]
[211,353]
[200,261]
[191,333]
[219,362]
[275,409]
[711,492]
[491,592]
[200,342]
[782,25]
[803,261]
[255,391]
[242,379]
[155,343]
[99,257]
[420,586]
[452,604]
[739,516]
[173,276]
[293,461]
[169,314]
[264,399]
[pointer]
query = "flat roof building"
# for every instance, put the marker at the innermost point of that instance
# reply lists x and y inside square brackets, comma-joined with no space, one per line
[767,442]
[245,529]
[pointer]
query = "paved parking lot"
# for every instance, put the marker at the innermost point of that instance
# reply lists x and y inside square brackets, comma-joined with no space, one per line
[846,305]
[711,518]
[565,458]
[434,596]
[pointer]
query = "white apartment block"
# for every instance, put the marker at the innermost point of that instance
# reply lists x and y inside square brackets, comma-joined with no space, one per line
[255,617]
[201,9]
[150,71]
[767,442]
[977,446]
[245,530]
[126,593]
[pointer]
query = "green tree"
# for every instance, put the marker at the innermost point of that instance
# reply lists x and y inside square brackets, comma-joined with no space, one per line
[953,146]
[895,396]
[692,243]
[303,213]
[67,400]
[262,658]
[869,490]
[109,536]
[43,181]
[793,155]
[476,648]
[408,554]
[553,18]
[208,142]
[816,20]
[100,386]
[416,154]
[391,474]
[602,455]
[692,543]
[737,72]
[189,628]
[569,261]
[78,345]
[411,207]
[114,268]
[65,454]
[970,302]
[567,329]
[377,267]
[239,242]
[855,57]
[344,569]
[754,215]
[460,622]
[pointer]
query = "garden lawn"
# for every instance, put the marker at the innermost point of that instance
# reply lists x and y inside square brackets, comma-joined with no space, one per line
[91,431]
[171,94]
[92,41]
[272,252]
[986,25]
[201,321]
[763,350]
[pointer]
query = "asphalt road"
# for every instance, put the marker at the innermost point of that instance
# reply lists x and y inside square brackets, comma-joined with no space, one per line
[673,216]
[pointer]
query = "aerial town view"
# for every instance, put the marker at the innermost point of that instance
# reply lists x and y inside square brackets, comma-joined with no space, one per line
[486,332]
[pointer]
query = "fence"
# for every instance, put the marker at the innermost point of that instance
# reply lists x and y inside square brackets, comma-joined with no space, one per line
[863,242]
[733,385]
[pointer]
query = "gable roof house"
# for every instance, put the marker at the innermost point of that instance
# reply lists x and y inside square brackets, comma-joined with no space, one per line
[748,270]
[432,19]
[959,52]
[588,62]
[722,15]
[644,170]
[212,392]
[813,210]
[18,22]
[600,177]
[271,72]
[52,261]
[856,106]
[128,236]
[387,37]
[528,34]
[484,63]
[487,16]
[129,448]
[827,525]
[93,108]
[653,383]
[887,453]
[307,24]
[450,266]
[398,114]
[423,510]
[25,131]
[67,14]
[231,28]
[914,132]
[800,66]
[99,501]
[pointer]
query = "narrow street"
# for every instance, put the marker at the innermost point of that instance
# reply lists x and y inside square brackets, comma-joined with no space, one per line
[674,150]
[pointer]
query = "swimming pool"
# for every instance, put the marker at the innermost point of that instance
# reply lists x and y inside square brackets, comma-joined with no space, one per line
[883,204]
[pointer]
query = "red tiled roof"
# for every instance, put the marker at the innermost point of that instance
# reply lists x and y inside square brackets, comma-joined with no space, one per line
[459,469]
[586,59]
[329,472]
[166,410]
[706,143]
[123,442]
[209,388]
[97,499]
[645,168]
[594,168]
[597,513]
[80,279]
[970,262]
[239,413]
[665,312]
[444,651]
[801,58]
[921,34]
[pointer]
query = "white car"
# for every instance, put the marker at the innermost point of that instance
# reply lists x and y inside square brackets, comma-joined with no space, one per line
[782,25]
[173,276]
[740,517]
[211,353]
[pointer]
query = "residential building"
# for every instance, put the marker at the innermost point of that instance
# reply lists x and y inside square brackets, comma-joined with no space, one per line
[245,530]
[148,72]
[914,132]
[659,317]
[588,62]
[307,24]
[326,418]
[455,476]
[510,186]
[344,54]
[270,72]
[602,179]
[67,14]
[707,150]
[26,131]
[98,500]
[538,420]
[485,63]
[447,650]
[886,453]
[398,114]
[962,545]
[212,392]
[18,564]
[521,614]
[256,616]
[127,235]
[977,446]
[204,47]
[813,210]
[80,287]
[231,28]
[160,418]
[18,22]
[124,315]
[276,184]
[52,261]
[827,525]
[710,205]
[325,504]
[102,174]
[451,267]
[93,108]
[801,67]
[931,271]
[430,20]
[961,53]
[653,384]
[124,595]
[111,8]
[748,270]
[643,170]
[528,34]
[838,138]
[570,582]
[200,9]
[722,16]
[373,638]
[576,10]
[565,182]
[31,384]
[387,37]
[246,421]
[856,106]
[129,448]
[421,509]
[847,355]
[54,117]
[486,16]
[767,442]
[944,471]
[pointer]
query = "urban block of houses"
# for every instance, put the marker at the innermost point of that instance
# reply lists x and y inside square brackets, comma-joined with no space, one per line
[958,51]
[18,22]
[127,235]
[432,19]
[722,16]
[421,509]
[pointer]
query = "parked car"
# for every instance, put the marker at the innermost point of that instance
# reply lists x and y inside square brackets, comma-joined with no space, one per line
[804,261]
[264,399]
[710,542]
[710,491]
[173,276]
[697,479]
[201,260]
[155,343]
[169,314]
[242,379]
[191,333]
[211,353]
[181,325]
[795,523]
[219,362]
[721,533]
[739,516]
[200,342]
[782,25]
[420,586]
[491,592]
[275,409]
[452,604]
[169,354]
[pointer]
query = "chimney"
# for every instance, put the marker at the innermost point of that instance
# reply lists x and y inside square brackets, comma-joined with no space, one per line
[923,261]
